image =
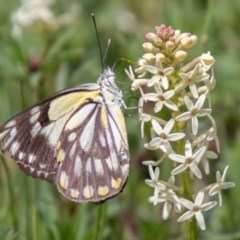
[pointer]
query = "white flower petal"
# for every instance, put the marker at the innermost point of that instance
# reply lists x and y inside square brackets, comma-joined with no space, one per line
[204,112]
[158,88]
[168,94]
[194,125]
[177,158]
[199,198]
[199,153]
[224,173]
[200,220]
[189,103]
[169,104]
[208,206]
[168,127]
[211,154]
[184,116]
[150,69]
[193,90]
[187,215]
[149,182]
[195,170]
[188,149]
[138,83]
[157,127]
[179,169]
[213,190]
[168,70]
[167,207]
[150,97]
[130,73]
[226,185]
[220,198]
[158,106]
[200,101]
[165,82]
[175,136]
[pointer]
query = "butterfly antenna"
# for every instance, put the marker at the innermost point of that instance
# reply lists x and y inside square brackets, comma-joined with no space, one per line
[106,51]
[98,40]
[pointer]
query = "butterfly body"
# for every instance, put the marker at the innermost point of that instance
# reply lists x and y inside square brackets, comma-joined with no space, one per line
[75,139]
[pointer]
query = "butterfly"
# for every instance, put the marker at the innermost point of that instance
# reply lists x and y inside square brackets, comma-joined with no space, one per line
[75,139]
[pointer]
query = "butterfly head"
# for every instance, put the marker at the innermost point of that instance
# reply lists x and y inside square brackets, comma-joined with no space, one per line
[107,78]
[110,91]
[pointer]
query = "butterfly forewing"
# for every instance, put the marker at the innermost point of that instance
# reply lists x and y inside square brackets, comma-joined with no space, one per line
[26,138]
[75,139]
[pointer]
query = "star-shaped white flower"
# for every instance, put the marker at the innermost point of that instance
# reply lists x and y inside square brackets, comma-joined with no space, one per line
[160,74]
[190,160]
[220,185]
[190,79]
[169,199]
[141,71]
[194,111]
[212,133]
[211,82]
[143,117]
[208,155]
[137,83]
[164,136]
[161,98]
[196,209]
[154,182]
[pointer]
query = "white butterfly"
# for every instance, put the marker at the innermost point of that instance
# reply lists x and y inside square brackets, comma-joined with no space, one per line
[75,139]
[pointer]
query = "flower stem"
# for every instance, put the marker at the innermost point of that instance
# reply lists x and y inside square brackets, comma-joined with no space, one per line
[187,193]
[100,222]
[191,229]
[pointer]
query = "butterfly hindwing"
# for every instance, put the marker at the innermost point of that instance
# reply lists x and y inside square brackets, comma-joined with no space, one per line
[93,154]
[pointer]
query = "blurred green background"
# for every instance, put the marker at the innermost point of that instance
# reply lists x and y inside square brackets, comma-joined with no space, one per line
[39,60]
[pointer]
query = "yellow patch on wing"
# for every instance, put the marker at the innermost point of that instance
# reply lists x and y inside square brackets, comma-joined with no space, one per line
[63,180]
[104,120]
[121,121]
[88,192]
[69,102]
[58,144]
[60,156]
[116,183]
[74,193]
[103,191]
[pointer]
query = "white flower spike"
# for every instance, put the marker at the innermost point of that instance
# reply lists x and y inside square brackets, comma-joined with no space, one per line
[180,91]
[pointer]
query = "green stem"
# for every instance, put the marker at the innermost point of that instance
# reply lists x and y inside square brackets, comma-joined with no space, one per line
[191,229]
[33,209]
[100,222]
[27,208]
[186,185]
[187,193]
[11,195]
